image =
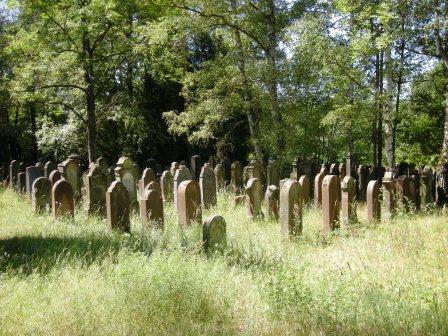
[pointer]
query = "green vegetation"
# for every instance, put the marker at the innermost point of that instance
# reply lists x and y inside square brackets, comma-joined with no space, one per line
[72,277]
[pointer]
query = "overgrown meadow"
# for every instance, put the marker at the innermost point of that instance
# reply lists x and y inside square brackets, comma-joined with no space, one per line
[74,278]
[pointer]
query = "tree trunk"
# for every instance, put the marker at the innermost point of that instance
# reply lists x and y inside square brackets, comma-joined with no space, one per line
[32,114]
[397,101]
[380,114]
[388,110]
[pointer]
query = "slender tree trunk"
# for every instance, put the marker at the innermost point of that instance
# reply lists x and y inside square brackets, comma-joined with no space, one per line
[397,101]
[32,114]
[380,115]
[388,110]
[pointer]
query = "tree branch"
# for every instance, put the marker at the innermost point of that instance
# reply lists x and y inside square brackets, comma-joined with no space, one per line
[100,37]
[70,86]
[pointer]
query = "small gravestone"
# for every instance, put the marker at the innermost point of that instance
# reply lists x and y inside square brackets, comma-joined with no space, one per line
[189,203]
[54,176]
[71,172]
[348,200]
[49,167]
[373,201]
[331,190]
[41,195]
[118,207]
[148,176]
[271,201]
[62,203]
[414,189]
[196,164]
[166,182]
[273,173]
[173,169]
[182,174]
[318,186]
[305,188]
[236,178]
[14,170]
[220,176]
[207,184]
[32,173]
[402,192]
[254,197]
[127,173]
[214,233]
[426,186]
[152,207]
[389,196]
[290,208]
[21,182]
[95,184]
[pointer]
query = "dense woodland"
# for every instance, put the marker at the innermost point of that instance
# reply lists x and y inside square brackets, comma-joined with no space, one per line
[235,78]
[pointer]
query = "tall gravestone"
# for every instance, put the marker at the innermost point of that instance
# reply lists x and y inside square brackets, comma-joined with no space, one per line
[318,186]
[14,169]
[127,173]
[166,182]
[207,184]
[32,173]
[389,196]
[49,167]
[305,188]
[220,174]
[426,187]
[118,205]
[348,200]
[273,173]
[195,165]
[71,172]
[62,200]
[290,208]
[214,234]
[182,174]
[189,203]
[254,198]
[373,201]
[152,208]
[236,178]
[271,201]
[21,182]
[402,191]
[96,184]
[41,195]
[330,203]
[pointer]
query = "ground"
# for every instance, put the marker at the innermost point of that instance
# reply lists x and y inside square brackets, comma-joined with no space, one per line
[72,277]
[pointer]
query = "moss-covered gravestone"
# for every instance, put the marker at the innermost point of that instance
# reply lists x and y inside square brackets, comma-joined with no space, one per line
[220,176]
[272,173]
[62,203]
[127,173]
[207,184]
[236,178]
[214,233]
[71,172]
[118,207]
[189,203]
[41,195]
[166,183]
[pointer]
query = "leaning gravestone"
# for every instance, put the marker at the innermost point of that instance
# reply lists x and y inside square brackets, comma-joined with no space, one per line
[330,203]
[348,200]
[71,172]
[62,203]
[290,208]
[21,182]
[54,176]
[220,176]
[236,178]
[426,187]
[166,182]
[373,201]
[273,173]
[49,167]
[189,203]
[318,186]
[389,196]
[14,169]
[271,201]
[41,195]
[127,173]
[95,184]
[305,188]
[32,173]
[254,198]
[214,233]
[402,190]
[207,184]
[182,174]
[195,166]
[152,208]
[118,207]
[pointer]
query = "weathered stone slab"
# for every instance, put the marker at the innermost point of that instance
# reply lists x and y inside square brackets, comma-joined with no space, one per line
[290,208]
[148,176]
[254,198]
[127,173]
[62,201]
[220,174]
[182,174]
[334,169]
[104,166]
[207,184]
[373,201]
[426,187]
[14,169]
[271,201]
[95,184]
[331,191]
[402,191]
[389,197]
[414,189]
[32,173]
[21,182]
[273,173]
[348,200]
[318,180]
[305,188]
[152,208]
[363,176]
[174,168]
[195,166]
[41,195]
[214,234]
[55,176]
[71,172]
[154,186]
[166,182]
[189,203]
[342,171]
[236,178]
[118,207]
[49,167]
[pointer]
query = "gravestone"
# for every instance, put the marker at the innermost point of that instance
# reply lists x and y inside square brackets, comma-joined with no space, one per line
[220,176]
[195,166]
[118,206]
[363,175]
[102,162]
[373,201]
[148,176]
[254,197]
[290,208]
[305,188]
[41,195]
[296,171]
[214,234]
[154,186]
[40,165]
[342,171]
[389,196]
[402,192]
[331,191]
[271,201]
[21,182]
[414,189]
[182,174]
[166,182]
[236,178]
[62,201]
[334,169]
[32,173]
[14,169]
[173,169]
[127,173]
[55,176]
[273,173]
[318,186]
[152,207]
[207,184]
[151,163]
[212,161]
[245,175]
[95,184]
[22,167]
[255,170]
[348,200]
[71,172]
[189,203]
[426,186]
[49,167]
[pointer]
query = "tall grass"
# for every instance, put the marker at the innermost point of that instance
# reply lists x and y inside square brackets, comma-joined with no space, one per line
[72,277]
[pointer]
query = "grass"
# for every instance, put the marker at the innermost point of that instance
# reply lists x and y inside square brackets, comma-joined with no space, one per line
[72,277]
